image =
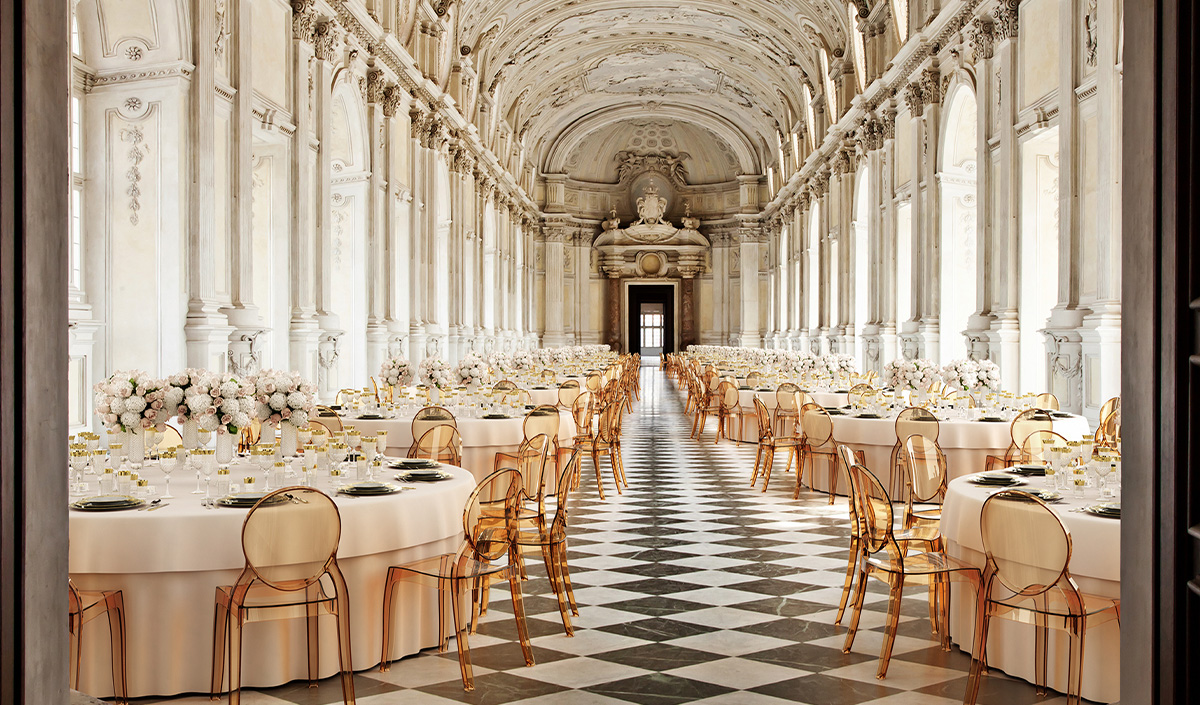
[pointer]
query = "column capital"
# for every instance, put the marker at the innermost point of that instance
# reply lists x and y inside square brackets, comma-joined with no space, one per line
[325,40]
[304,18]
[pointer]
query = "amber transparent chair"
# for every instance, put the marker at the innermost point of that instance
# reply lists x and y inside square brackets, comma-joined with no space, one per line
[173,439]
[787,407]
[1047,401]
[504,385]
[818,441]
[486,554]
[710,405]
[925,480]
[330,418]
[1036,446]
[1108,433]
[552,541]
[854,396]
[768,443]
[441,443]
[847,458]
[753,379]
[594,382]
[729,405]
[914,420]
[85,606]
[1027,578]
[606,443]
[1109,406]
[567,391]
[1024,424]
[884,557]
[430,417]
[549,376]
[290,541]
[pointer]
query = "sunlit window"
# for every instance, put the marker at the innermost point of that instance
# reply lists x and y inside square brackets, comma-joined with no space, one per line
[830,92]
[900,14]
[859,48]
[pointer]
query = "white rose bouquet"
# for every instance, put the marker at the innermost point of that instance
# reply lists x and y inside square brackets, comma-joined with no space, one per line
[182,385]
[129,400]
[801,362]
[396,372]
[968,375]
[434,372]
[836,364]
[502,362]
[523,361]
[918,374]
[283,396]
[225,405]
[988,375]
[472,369]
[543,357]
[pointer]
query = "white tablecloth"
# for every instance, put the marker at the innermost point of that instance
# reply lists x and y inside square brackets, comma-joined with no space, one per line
[965,443]
[169,562]
[746,405]
[482,438]
[1096,567]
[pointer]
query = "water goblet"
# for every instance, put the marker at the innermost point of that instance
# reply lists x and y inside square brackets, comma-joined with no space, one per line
[304,435]
[167,463]
[1102,468]
[337,453]
[224,454]
[79,460]
[381,441]
[203,437]
[264,458]
[280,471]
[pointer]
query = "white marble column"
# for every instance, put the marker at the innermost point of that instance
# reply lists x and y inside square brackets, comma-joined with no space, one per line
[749,236]
[303,331]
[377,230]
[398,201]
[331,333]
[557,234]
[419,122]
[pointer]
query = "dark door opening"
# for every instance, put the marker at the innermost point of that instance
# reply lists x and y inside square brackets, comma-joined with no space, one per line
[650,318]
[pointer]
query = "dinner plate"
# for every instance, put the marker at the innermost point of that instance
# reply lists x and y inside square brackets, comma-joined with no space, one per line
[371,417]
[1060,415]
[245,500]
[995,480]
[107,503]
[866,416]
[496,416]
[1048,496]
[423,476]
[413,463]
[369,488]
[1110,510]
[1029,470]
[991,419]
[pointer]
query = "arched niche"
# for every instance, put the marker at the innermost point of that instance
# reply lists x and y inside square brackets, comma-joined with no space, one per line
[958,184]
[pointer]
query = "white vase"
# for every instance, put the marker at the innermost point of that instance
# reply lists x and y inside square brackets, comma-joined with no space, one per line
[287,439]
[435,395]
[224,448]
[135,444]
[191,430]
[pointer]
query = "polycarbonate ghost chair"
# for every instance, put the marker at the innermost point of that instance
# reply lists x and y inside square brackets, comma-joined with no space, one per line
[710,405]
[764,459]
[428,418]
[488,553]
[329,417]
[914,420]
[728,406]
[818,441]
[787,407]
[440,443]
[885,556]
[1036,447]
[505,385]
[567,391]
[1027,578]
[1022,425]
[854,396]
[290,541]
[605,442]
[1046,401]
[753,379]
[86,605]
[552,541]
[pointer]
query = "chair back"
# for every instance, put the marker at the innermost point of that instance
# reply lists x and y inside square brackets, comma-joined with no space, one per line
[1035,446]
[594,382]
[728,394]
[581,412]
[429,417]
[173,439]
[764,420]
[856,393]
[817,425]
[1027,422]
[926,470]
[919,421]
[531,463]
[487,540]
[542,420]
[562,493]
[504,385]
[1109,431]
[1046,401]
[290,537]
[787,397]
[1109,406]
[549,376]
[1026,544]
[873,507]
[753,379]
[330,418]
[609,425]
[567,392]
[441,443]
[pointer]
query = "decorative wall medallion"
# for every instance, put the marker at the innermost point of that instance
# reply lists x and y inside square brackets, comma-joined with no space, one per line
[133,104]
[134,53]
[137,152]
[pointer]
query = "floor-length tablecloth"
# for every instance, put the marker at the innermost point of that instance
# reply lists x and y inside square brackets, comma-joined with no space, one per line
[169,562]
[1096,567]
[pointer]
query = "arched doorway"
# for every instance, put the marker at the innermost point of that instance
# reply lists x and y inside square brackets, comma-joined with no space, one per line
[1039,254]
[957,183]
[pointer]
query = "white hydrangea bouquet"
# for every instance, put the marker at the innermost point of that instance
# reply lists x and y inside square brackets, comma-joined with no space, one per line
[471,370]
[543,357]
[918,374]
[182,385]
[801,362]
[396,371]
[523,361]
[283,396]
[969,375]
[226,406]
[837,364]
[435,373]
[131,400]
[501,362]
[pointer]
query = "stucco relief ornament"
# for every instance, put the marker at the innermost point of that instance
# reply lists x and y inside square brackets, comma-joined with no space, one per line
[651,207]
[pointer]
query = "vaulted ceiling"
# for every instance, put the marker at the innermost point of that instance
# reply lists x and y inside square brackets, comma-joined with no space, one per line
[564,73]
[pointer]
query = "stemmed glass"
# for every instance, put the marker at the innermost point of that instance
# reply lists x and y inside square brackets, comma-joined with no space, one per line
[167,463]
[264,458]
[369,450]
[203,437]
[224,453]
[194,461]
[79,460]
[337,453]
[1102,468]
[207,463]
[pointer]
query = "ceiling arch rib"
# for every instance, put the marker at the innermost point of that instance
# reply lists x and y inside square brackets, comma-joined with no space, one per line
[558,70]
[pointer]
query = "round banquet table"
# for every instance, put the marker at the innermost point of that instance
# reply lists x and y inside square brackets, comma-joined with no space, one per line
[168,562]
[1095,565]
[544,396]
[965,443]
[482,438]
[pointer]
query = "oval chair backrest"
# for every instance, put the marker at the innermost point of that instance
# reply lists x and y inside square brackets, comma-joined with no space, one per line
[1047,401]
[504,385]
[873,507]
[753,379]
[1027,422]
[487,538]
[549,375]
[441,442]
[542,420]
[430,417]
[926,469]
[1109,406]
[764,419]
[290,536]
[817,425]
[330,418]
[581,412]
[729,396]
[609,422]
[593,382]
[567,392]
[1025,541]
[562,493]
[787,397]
[919,421]
[1035,446]
[531,463]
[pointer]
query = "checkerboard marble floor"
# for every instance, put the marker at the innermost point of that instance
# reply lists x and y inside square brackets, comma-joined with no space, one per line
[692,587]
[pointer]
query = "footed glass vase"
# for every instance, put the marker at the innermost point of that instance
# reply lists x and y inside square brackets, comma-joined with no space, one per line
[288,439]
[190,434]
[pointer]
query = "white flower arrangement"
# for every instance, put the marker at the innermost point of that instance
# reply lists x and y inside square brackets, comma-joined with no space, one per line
[801,362]
[283,396]
[182,385]
[472,369]
[918,374]
[523,361]
[129,400]
[396,371]
[969,375]
[501,362]
[434,372]
[542,357]
[836,364]
[227,405]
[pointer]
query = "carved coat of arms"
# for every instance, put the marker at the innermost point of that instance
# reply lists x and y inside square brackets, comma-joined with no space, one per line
[651,207]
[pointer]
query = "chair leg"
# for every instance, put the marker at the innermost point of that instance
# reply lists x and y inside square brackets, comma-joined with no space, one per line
[978,662]
[805,460]
[1075,674]
[220,636]
[851,565]
[345,657]
[599,480]
[314,640]
[116,633]
[833,477]
[860,594]
[519,613]
[552,571]
[460,634]
[389,593]
[560,551]
[614,462]
[893,621]
[76,630]
[235,656]
[757,464]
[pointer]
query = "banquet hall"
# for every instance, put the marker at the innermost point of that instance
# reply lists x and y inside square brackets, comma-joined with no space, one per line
[524,351]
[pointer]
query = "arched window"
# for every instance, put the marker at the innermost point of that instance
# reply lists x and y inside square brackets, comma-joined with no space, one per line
[859,47]
[830,91]
[956,175]
[810,117]
[900,14]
